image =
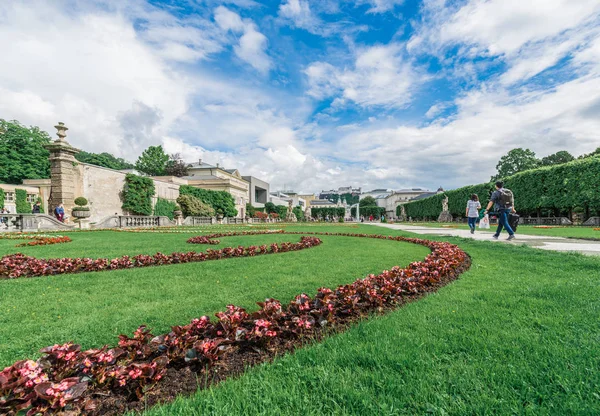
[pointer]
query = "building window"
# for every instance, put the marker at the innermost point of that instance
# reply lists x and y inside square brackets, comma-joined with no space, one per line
[9,196]
[31,198]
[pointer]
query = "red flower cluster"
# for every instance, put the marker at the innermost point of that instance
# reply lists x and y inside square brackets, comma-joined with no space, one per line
[202,239]
[260,215]
[45,241]
[18,265]
[67,376]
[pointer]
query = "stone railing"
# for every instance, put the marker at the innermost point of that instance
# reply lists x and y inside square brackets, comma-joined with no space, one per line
[133,221]
[192,221]
[31,222]
[235,220]
[592,221]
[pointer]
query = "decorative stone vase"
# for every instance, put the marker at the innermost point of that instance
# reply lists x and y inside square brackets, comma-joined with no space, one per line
[81,214]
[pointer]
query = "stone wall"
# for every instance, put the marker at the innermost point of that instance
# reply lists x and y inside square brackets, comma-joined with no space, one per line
[102,187]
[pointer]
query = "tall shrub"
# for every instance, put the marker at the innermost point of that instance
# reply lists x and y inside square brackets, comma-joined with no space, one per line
[322,213]
[164,207]
[2,196]
[192,206]
[23,207]
[560,188]
[221,201]
[137,194]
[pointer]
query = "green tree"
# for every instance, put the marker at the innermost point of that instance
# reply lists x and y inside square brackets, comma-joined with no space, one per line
[176,166]
[153,161]
[557,158]
[515,161]
[105,160]
[22,152]
[594,153]
[192,206]
[367,201]
[270,208]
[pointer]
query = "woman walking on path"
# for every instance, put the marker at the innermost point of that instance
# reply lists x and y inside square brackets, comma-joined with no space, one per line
[472,211]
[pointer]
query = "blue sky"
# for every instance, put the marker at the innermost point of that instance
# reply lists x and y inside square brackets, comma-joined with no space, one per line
[311,94]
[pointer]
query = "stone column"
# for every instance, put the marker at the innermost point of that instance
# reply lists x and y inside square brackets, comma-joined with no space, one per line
[62,171]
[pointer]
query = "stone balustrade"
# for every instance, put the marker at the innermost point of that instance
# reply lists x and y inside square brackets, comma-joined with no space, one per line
[31,222]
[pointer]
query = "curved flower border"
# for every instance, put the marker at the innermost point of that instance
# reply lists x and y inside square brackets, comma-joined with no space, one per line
[68,378]
[37,239]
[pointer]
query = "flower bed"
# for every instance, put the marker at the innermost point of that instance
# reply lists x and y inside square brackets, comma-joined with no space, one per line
[19,265]
[37,239]
[111,380]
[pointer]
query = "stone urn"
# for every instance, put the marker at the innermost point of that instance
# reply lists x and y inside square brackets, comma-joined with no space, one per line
[81,212]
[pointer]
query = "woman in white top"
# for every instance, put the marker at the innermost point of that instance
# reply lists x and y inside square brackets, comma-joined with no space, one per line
[472,212]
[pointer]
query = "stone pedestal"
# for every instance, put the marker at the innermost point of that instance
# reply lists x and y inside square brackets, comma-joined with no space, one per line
[291,217]
[62,171]
[84,224]
[445,216]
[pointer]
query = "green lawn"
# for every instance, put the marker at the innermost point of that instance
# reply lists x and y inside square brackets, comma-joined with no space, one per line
[93,308]
[567,231]
[519,333]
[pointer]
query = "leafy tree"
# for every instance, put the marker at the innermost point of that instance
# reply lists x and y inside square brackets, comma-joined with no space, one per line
[298,213]
[22,152]
[270,208]
[282,211]
[594,153]
[153,161]
[515,161]
[367,201]
[192,206]
[176,166]
[557,158]
[250,210]
[105,160]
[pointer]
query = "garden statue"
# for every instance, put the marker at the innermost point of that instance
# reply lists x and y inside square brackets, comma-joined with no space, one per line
[290,217]
[445,215]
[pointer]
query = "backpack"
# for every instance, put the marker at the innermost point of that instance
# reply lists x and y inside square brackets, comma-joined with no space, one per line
[506,199]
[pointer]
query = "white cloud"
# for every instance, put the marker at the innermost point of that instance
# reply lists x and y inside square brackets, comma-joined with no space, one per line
[252,44]
[381,6]
[380,77]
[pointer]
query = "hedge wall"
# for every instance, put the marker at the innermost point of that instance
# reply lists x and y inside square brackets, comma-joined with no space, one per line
[552,190]
[23,207]
[137,194]
[323,213]
[164,207]
[221,201]
[2,196]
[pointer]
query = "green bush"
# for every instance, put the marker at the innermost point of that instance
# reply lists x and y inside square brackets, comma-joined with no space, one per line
[194,207]
[137,194]
[166,208]
[299,213]
[81,208]
[81,201]
[250,210]
[2,196]
[553,190]
[23,207]
[322,213]
[221,201]
[367,211]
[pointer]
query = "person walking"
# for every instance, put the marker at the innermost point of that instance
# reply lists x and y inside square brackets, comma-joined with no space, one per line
[36,208]
[472,211]
[504,203]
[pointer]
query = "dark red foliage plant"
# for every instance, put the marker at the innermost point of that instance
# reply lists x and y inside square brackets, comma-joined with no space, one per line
[70,380]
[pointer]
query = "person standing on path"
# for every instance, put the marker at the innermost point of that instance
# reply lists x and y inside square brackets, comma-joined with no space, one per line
[472,211]
[504,203]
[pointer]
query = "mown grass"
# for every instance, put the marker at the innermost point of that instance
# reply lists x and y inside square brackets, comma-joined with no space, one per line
[93,308]
[564,231]
[519,333]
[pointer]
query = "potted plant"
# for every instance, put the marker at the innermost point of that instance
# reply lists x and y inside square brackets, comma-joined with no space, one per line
[81,210]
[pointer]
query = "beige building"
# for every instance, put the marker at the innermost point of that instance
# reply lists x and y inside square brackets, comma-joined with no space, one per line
[216,178]
[33,192]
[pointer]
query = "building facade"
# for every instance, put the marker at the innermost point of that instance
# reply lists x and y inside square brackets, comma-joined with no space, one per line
[259,191]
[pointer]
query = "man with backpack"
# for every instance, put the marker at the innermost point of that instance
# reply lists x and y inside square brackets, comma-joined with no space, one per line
[504,203]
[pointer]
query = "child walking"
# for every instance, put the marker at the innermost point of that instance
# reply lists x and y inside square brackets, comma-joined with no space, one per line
[472,212]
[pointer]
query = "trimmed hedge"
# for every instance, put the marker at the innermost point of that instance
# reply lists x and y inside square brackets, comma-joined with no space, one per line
[164,207]
[221,201]
[23,207]
[560,189]
[369,210]
[323,213]
[2,196]
[137,194]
